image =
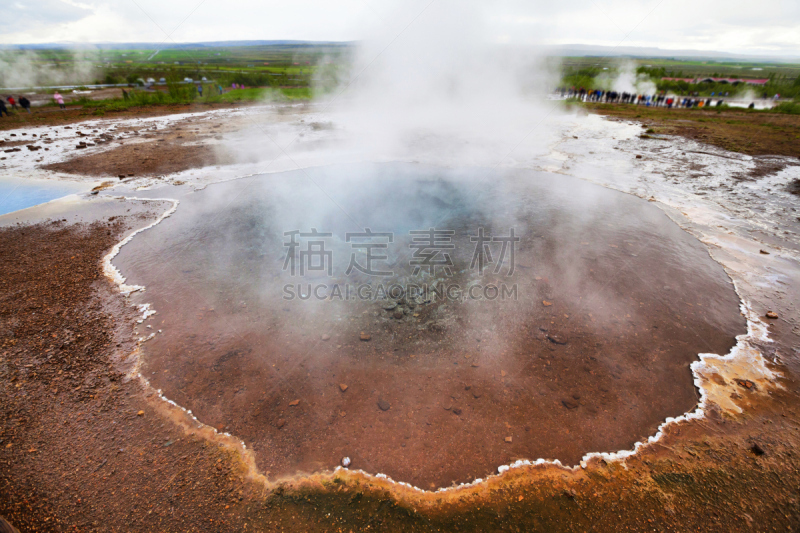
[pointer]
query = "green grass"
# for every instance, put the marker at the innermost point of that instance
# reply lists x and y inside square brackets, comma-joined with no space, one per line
[788,108]
[187,94]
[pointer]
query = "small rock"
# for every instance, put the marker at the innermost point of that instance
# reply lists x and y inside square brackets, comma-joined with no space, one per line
[457,411]
[365,336]
[764,252]
[756,449]
[383,404]
[326,337]
[345,462]
[638,157]
[398,313]
[556,340]
[342,414]
[294,403]
[140,413]
[569,404]
[280,423]
[546,303]
[342,387]
[508,439]
[746,383]
[772,314]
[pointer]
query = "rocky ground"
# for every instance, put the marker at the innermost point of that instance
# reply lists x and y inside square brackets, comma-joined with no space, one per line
[85,447]
[759,134]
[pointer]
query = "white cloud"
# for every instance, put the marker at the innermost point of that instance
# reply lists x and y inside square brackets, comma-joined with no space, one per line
[771,26]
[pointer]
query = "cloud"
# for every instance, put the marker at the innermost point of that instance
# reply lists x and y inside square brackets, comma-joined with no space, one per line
[771,26]
[42,14]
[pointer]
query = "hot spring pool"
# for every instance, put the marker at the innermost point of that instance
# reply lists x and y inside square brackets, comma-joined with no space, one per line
[585,347]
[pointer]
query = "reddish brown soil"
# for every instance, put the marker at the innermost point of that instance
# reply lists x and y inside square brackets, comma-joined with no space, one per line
[143,159]
[53,116]
[175,149]
[752,133]
[72,448]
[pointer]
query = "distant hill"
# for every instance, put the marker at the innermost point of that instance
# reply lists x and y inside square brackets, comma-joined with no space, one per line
[573,50]
[171,45]
[583,50]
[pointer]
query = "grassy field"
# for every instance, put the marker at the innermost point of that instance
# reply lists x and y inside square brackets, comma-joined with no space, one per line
[188,95]
[294,71]
[265,66]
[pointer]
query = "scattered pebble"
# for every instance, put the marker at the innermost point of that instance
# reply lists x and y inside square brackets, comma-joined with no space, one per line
[569,404]
[365,336]
[345,462]
[342,387]
[294,403]
[383,404]
[508,439]
[772,314]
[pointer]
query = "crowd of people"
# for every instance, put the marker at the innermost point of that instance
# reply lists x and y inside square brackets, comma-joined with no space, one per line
[655,100]
[23,102]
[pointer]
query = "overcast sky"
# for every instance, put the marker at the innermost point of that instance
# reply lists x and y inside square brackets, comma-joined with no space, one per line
[765,27]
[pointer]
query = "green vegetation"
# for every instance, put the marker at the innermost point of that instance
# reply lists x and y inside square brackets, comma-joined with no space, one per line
[187,94]
[789,108]
[290,65]
[291,71]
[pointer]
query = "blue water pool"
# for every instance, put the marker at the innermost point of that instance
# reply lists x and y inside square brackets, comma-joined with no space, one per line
[16,194]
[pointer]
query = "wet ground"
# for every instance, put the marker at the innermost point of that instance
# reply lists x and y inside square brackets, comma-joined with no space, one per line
[731,467]
[612,302]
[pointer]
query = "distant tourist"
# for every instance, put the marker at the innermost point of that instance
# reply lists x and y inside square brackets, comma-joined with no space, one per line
[59,100]
[12,102]
[3,108]
[25,103]
[124,94]
[200,89]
